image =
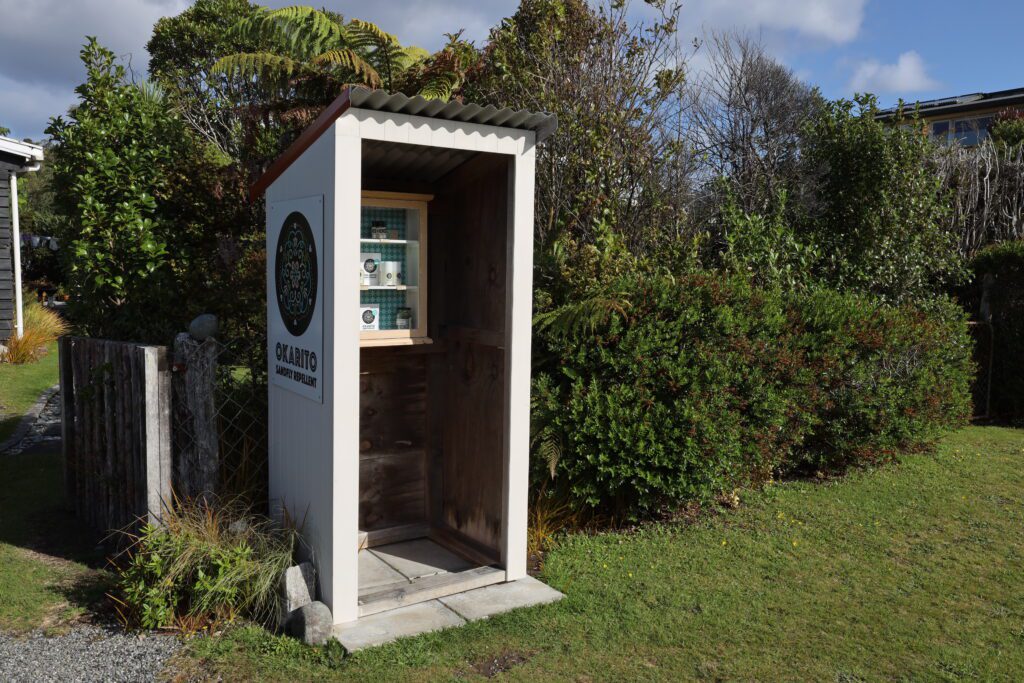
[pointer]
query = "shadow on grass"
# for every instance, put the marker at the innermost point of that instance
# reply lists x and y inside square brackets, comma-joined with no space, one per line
[35,516]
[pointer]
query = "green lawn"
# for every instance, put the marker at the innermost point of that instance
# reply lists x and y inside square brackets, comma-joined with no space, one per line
[45,555]
[20,387]
[911,572]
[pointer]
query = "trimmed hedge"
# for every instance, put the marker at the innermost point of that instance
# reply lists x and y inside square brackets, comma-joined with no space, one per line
[689,388]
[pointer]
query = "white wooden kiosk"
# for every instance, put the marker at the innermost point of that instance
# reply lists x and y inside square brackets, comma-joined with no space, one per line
[400,257]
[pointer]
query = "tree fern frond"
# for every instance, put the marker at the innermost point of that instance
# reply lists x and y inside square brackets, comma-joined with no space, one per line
[582,316]
[549,448]
[260,64]
[440,86]
[365,34]
[348,59]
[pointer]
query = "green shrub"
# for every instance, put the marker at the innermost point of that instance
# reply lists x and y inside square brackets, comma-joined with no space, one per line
[676,390]
[206,565]
[874,206]
[886,378]
[1002,267]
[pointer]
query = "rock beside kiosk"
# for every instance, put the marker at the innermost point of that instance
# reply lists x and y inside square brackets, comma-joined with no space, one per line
[312,623]
[296,589]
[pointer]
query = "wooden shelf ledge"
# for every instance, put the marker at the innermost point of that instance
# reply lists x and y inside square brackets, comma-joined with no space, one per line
[395,341]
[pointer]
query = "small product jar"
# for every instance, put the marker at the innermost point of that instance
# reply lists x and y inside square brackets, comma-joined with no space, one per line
[391,273]
[403,318]
[378,230]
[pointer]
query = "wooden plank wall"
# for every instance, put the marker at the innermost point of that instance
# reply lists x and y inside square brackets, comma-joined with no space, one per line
[392,438]
[115,401]
[469,239]
[6,260]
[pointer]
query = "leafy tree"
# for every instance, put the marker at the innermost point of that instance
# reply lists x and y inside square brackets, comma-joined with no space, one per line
[128,183]
[183,50]
[310,52]
[766,247]
[615,86]
[875,207]
[1008,129]
[4,130]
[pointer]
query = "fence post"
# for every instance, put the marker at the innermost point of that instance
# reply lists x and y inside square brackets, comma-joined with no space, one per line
[67,416]
[198,460]
[158,432]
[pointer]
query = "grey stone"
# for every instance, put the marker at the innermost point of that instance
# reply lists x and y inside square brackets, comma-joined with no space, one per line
[312,623]
[397,623]
[203,327]
[239,526]
[296,588]
[490,600]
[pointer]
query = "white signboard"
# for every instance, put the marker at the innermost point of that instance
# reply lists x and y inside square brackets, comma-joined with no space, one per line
[295,293]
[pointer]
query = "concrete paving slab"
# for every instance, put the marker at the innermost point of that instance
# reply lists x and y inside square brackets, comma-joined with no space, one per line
[375,572]
[385,627]
[485,602]
[420,557]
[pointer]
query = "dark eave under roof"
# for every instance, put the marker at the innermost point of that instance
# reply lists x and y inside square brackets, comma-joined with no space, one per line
[960,104]
[358,97]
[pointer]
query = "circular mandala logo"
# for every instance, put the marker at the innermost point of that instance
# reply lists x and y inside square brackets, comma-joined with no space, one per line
[295,273]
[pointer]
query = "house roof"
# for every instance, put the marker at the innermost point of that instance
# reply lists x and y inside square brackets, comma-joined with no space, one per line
[359,97]
[960,104]
[20,156]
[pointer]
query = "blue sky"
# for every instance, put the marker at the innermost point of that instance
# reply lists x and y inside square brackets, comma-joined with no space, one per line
[895,48]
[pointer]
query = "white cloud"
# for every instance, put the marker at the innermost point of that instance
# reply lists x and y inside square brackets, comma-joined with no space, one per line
[907,75]
[40,39]
[39,45]
[831,21]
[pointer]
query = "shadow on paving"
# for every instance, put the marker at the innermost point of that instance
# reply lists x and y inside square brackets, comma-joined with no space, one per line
[35,516]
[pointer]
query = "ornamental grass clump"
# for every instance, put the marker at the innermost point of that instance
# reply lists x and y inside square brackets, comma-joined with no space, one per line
[209,563]
[41,328]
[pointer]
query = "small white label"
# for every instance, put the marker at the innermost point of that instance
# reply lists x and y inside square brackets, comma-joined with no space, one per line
[369,269]
[369,317]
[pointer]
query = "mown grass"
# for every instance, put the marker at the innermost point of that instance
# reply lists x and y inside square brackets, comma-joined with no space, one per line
[21,386]
[910,572]
[46,579]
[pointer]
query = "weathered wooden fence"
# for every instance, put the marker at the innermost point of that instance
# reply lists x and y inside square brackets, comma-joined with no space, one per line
[116,429]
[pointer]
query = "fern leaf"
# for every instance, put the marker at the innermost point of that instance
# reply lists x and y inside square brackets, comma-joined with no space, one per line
[349,60]
[365,34]
[260,64]
[584,316]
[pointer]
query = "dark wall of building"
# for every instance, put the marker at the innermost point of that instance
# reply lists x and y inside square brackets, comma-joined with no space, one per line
[6,260]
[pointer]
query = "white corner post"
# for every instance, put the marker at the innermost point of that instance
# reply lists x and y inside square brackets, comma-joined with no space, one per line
[518,319]
[19,318]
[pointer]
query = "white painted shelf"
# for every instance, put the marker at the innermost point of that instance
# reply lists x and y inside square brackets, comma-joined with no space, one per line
[366,240]
[400,288]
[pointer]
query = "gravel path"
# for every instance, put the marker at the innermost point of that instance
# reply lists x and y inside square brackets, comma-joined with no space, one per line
[85,654]
[45,429]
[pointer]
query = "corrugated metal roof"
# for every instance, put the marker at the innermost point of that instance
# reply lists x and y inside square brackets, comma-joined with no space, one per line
[542,123]
[359,97]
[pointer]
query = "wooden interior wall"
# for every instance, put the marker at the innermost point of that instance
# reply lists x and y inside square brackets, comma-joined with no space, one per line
[469,232]
[392,438]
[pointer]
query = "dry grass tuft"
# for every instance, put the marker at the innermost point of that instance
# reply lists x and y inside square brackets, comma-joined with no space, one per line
[549,515]
[42,326]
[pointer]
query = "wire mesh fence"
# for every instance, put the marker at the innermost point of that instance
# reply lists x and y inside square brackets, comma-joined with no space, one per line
[219,396]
